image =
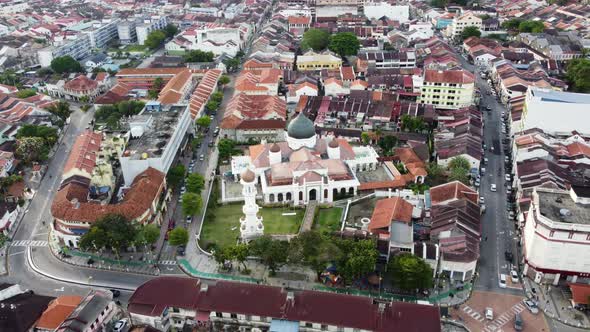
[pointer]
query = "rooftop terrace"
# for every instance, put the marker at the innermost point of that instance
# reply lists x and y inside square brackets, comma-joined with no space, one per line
[559,206]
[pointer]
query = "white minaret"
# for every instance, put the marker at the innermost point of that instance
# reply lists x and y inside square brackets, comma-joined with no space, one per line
[274,155]
[333,149]
[251,224]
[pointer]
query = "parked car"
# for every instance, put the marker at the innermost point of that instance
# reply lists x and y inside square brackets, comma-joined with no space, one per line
[514,276]
[489,313]
[120,325]
[508,255]
[531,306]
[502,281]
[508,178]
[189,219]
[518,322]
[481,200]
[115,292]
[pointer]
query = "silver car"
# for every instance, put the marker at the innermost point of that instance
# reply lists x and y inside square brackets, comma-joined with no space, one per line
[531,305]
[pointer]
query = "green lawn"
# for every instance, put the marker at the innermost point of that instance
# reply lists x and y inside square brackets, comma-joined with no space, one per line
[328,220]
[180,53]
[223,229]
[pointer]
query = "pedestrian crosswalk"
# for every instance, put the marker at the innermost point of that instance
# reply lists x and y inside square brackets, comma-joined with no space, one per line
[170,262]
[504,318]
[474,314]
[28,243]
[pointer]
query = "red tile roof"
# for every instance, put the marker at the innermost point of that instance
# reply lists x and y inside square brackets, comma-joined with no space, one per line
[448,76]
[201,95]
[84,152]
[452,191]
[243,107]
[57,311]
[388,210]
[358,312]
[81,83]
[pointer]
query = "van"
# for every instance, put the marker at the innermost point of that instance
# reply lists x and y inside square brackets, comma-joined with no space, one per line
[518,323]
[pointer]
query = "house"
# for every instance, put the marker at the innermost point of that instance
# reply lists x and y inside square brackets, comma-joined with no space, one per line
[6,163]
[206,87]
[299,24]
[8,214]
[460,134]
[20,309]
[392,219]
[208,38]
[450,89]
[302,89]
[335,87]
[259,82]
[456,227]
[83,87]
[95,61]
[183,303]
[311,60]
[57,312]
[93,313]
[256,117]
[385,59]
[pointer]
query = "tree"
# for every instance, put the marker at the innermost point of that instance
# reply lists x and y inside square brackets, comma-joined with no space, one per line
[344,44]
[359,258]
[273,253]
[314,250]
[221,255]
[459,174]
[195,182]
[156,88]
[178,237]
[410,273]
[531,26]
[211,106]
[387,143]
[199,56]
[26,93]
[471,31]
[148,234]
[170,30]
[60,109]
[31,149]
[439,3]
[434,170]
[578,75]
[512,24]
[459,162]
[315,39]
[66,64]
[240,252]
[226,148]
[412,123]
[203,121]
[9,77]
[112,231]
[191,203]
[175,175]
[217,97]
[232,64]
[155,39]
[223,80]
[365,138]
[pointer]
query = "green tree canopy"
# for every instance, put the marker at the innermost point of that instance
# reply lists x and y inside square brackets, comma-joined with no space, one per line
[171,30]
[240,253]
[211,106]
[155,39]
[387,144]
[359,258]
[470,31]
[191,203]
[344,44]
[315,39]
[578,75]
[412,123]
[112,114]
[178,237]
[226,148]
[31,149]
[175,175]
[273,253]
[531,26]
[195,182]
[217,97]
[203,121]
[148,234]
[365,138]
[198,56]
[512,24]
[439,3]
[66,64]
[61,109]
[223,80]
[459,162]
[410,272]
[26,93]
[111,231]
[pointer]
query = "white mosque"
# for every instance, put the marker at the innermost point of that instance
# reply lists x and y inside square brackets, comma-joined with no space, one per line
[305,167]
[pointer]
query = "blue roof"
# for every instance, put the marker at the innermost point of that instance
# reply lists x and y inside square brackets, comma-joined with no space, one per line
[427,201]
[279,325]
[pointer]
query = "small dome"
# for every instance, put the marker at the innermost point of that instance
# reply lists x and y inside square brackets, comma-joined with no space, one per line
[275,148]
[301,127]
[333,143]
[248,176]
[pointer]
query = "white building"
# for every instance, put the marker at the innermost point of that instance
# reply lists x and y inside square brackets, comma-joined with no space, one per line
[126,32]
[450,89]
[554,112]
[307,168]
[461,22]
[556,240]
[13,7]
[251,225]
[78,48]
[143,29]
[155,136]
[376,10]
[218,40]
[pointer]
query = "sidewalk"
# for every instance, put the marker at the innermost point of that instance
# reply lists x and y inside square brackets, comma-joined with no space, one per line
[555,305]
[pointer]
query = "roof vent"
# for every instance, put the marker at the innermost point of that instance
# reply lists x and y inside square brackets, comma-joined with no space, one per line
[565,212]
[204,287]
[559,200]
[382,307]
[290,297]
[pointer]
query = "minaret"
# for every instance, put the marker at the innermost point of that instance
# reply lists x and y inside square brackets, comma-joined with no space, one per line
[251,224]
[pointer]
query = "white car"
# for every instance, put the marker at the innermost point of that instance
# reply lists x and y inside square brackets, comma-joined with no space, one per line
[493,187]
[514,276]
[481,200]
[120,325]
[507,177]
[489,313]
[502,281]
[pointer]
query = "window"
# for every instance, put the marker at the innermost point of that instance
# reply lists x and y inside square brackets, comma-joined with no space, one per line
[175,310]
[571,235]
[218,314]
[233,316]
[324,327]
[551,233]
[308,325]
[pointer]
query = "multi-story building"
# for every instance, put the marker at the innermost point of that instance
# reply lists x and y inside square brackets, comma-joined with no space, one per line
[382,60]
[155,135]
[318,61]
[147,25]
[563,46]
[216,39]
[13,7]
[101,33]
[77,48]
[539,112]
[556,236]
[461,22]
[126,30]
[450,89]
[177,303]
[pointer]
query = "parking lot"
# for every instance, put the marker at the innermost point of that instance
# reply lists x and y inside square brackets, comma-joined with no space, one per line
[504,308]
